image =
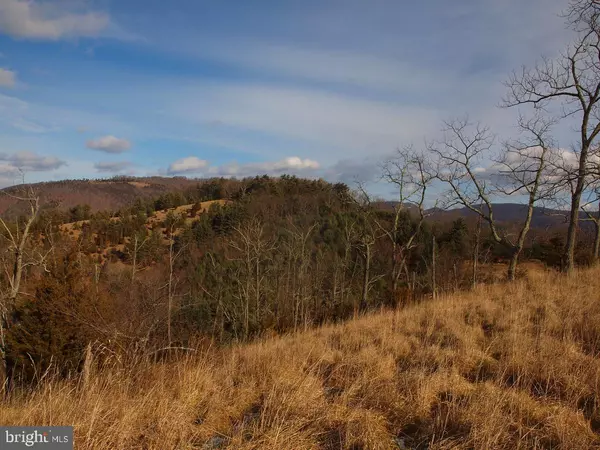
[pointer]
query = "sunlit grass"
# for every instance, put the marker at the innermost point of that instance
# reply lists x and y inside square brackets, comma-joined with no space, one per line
[505,366]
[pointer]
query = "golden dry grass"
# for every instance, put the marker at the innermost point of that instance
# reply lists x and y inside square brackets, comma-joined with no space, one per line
[503,367]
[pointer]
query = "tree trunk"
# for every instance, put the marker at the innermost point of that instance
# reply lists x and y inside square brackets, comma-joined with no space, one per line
[569,253]
[433,275]
[476,251]
[4,363]
[170,291]
[512,266]
[596,250]
[366,278]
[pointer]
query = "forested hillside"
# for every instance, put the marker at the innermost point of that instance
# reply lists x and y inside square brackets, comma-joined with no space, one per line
[231,260]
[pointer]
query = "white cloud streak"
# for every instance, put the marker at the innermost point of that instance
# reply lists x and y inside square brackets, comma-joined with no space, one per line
[340,67]
[109,144]
[26,19]
[113,167]
[197,166]
[324,121]
[8,78]
[13,163]
[290,165]
[191,164]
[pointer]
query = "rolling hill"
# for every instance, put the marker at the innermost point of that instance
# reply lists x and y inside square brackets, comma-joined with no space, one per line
[110,194]
[115,193]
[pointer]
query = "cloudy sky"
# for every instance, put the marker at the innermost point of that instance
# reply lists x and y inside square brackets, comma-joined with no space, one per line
[191,87]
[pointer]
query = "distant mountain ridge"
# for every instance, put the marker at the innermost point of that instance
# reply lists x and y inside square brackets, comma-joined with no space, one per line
[503,212]
[119,192]
[109,194]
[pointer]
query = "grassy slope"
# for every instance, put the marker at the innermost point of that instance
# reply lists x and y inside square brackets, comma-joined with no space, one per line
[505,366]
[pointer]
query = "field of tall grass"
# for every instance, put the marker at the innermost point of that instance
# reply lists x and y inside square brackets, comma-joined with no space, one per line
[505,366]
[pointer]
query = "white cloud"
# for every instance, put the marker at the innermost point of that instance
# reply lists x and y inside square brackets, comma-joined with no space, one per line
[294,162]
[191,164]
[329,66]
[291,165]
[8,78]
[27,162]
[42,20]
[113,167]
[109,144]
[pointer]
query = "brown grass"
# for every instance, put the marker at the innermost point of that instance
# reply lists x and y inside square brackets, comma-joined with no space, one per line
[506,366]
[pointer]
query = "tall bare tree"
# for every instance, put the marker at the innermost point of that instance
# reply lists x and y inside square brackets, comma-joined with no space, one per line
[298,250]
[521,168]
[138,244]
[365,237]
[17,259]
[253,250]
[572,83]
[407,171]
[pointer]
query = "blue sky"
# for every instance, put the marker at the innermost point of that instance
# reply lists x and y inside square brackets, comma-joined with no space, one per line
[197,88]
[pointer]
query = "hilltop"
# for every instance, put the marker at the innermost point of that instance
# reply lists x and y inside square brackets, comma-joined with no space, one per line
[121,192]
[101,195]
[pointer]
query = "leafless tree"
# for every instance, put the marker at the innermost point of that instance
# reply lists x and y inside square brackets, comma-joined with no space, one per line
[366,234]
[342,281]
[253,248]
[19,256]
[172,280]
[522,168]
[407,171]
[571,82]
[299,260]
[138,244]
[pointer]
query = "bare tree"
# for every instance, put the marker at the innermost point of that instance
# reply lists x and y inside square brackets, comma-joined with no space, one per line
[172,280]
[254,250]
[527,167]
[299,260]
[138,244]
[18,258]
[407,172]
[366,234]
[522,168]
[572,82]
[343,263]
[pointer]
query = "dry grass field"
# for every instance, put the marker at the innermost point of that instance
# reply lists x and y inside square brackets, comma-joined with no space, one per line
[502,367]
